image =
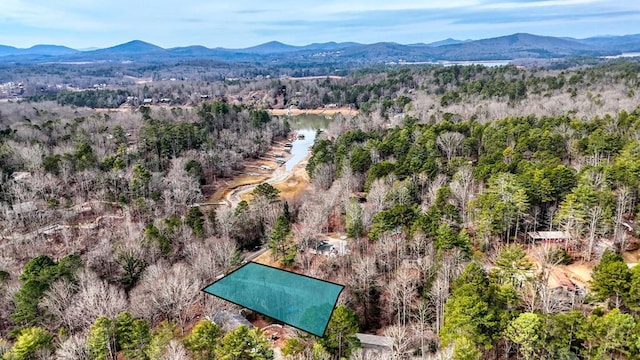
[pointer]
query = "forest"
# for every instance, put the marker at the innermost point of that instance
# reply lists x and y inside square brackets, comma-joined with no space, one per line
[440,180]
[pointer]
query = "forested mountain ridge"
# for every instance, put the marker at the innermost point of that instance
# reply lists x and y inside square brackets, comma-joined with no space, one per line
[435,183]
[515,46]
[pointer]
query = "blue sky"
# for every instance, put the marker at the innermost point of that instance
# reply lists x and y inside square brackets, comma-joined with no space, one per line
[242,23]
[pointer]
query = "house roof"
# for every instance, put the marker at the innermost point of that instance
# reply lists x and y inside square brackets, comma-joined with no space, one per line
[548,235]
[228,320]
[561,280]
[368,340]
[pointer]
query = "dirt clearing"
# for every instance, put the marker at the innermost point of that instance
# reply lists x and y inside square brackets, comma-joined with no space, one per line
[295,183]
[255,171]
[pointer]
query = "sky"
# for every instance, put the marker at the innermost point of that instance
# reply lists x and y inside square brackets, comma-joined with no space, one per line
[241,23]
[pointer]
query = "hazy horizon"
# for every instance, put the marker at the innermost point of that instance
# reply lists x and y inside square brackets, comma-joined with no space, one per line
[232,24]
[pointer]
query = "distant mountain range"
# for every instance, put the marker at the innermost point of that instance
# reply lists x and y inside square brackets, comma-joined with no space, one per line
[448,41]
[516,46]
[49,50]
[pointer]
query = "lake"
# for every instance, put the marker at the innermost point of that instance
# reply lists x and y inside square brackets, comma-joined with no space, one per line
[307,126]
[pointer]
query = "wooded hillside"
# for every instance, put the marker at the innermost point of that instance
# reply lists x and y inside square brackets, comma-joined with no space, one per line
[440,186]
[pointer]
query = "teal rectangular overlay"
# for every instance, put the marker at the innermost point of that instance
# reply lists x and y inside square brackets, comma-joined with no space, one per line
[297,300]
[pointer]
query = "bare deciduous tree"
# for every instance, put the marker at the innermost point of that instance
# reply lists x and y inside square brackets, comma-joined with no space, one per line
[174,351]
[375,200]
[323,176]
[462,188]
[225,221]
[362,354]
[57,301]
[180,188]
[386,253]
[594,216]
[421,327]
[266,210]
[166,291]
[100,259]
[402,294]
[429,197]
[363,282]
[210,258]
[348,183]
[400,341]
[623,199]
[312,217]
[537,293]
[449,142]
[94,298]
[73,348]
[450,269]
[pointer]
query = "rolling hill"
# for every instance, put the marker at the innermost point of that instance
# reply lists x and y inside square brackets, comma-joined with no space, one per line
[517,46]
[130,48]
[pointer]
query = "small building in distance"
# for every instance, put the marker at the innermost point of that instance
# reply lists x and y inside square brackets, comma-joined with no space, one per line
[228,320]
[548,236]
[375,344]
[20,176]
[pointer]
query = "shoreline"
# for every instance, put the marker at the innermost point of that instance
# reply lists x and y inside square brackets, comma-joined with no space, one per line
[327,111]
[290,183]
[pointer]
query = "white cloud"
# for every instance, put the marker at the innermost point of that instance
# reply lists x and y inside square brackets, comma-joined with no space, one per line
[538,4]
[47,16]
[333,7]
